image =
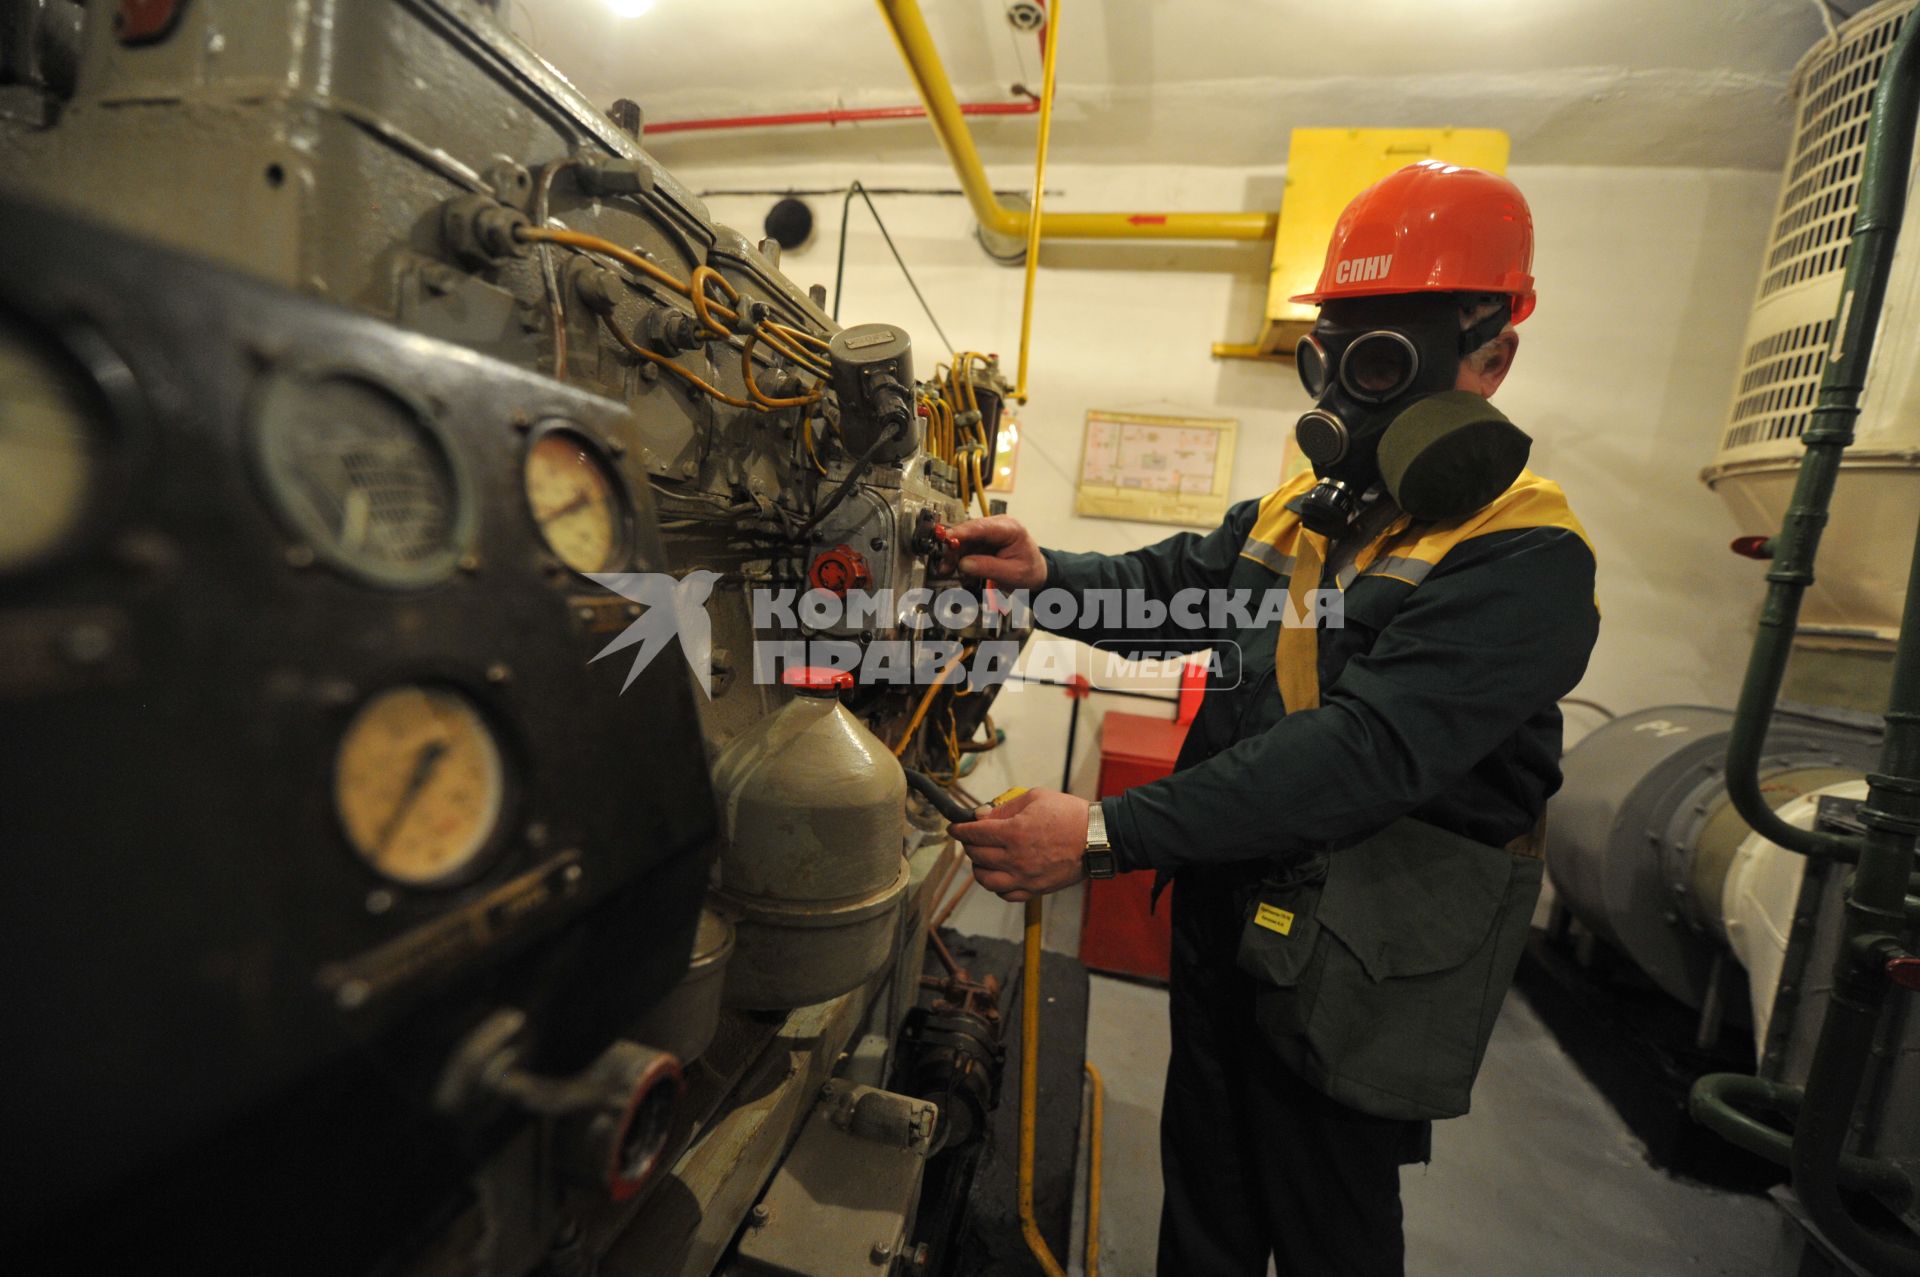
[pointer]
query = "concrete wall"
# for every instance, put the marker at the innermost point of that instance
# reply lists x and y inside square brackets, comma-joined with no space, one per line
[1623,377]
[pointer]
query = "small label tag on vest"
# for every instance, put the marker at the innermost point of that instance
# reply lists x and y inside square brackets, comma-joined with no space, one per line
[1273,918]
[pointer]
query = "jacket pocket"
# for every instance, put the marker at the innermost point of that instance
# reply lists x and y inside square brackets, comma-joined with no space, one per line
[1278,940]
[1416,933]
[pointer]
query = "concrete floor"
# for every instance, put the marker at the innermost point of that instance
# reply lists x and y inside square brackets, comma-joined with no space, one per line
[1541,1177]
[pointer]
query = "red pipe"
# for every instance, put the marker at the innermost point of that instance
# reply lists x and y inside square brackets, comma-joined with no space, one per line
[842,116]
[1028,106]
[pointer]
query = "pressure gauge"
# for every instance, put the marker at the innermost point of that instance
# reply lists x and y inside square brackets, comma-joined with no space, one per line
[51,424]
[419,785]
[362,477]
[577,503]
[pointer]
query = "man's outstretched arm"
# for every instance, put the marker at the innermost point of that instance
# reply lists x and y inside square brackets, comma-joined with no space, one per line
[1499,633]
[1001,549]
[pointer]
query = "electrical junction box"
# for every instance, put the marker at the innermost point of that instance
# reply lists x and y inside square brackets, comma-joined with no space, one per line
[1326,168]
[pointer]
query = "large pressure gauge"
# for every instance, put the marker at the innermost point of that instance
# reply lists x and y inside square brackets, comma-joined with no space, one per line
[50,436]
[419,785]
[361,477]
[576,502]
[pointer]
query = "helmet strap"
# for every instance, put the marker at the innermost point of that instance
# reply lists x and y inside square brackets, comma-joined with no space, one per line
[1478,335]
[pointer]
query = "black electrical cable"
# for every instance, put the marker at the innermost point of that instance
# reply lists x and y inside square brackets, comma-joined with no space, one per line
[847,485]
[840,271]
[945,803]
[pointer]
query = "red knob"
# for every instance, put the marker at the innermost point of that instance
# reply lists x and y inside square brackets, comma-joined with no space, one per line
[816,678]
[839,570]
[1905,972]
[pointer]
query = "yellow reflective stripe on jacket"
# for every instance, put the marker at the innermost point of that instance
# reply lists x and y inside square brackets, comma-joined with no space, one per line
[1531,502]
[1406,551]
[1296,650]
[1276,529]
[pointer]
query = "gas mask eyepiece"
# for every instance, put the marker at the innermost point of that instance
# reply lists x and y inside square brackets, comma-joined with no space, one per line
[1375,366]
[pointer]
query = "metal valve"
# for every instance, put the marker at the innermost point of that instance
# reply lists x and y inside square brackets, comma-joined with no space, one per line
[613,1118]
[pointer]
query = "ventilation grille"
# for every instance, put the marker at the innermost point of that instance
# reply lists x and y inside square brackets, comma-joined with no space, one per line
[1823,179]
[1833,98]
[1777,385]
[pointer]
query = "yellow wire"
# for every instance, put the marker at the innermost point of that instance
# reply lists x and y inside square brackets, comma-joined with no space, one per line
[933,688]
[806,433]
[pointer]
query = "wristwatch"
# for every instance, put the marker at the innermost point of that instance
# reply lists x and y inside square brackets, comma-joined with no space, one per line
[1098,860]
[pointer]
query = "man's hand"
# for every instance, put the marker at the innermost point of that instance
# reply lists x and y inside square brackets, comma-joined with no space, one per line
[1029,846]
[1001,549]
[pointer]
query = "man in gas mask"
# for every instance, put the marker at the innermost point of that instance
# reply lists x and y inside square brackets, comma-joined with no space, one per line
[1352,825]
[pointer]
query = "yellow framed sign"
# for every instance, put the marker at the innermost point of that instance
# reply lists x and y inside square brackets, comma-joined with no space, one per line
[1156,469]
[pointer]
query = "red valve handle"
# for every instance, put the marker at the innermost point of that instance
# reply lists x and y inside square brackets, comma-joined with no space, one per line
[945,557]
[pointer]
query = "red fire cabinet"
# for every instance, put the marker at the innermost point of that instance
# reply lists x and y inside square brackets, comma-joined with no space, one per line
[1118,932]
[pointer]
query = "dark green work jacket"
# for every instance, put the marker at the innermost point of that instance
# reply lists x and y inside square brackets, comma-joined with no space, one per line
[1382,916]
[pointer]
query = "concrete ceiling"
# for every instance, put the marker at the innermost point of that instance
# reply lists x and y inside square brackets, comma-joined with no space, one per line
[1698,83]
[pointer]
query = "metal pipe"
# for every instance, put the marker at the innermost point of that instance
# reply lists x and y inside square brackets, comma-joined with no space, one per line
[915,42]
[1875,912]
[1096,1121]
[1095,689]
[1036,219]
[846,115]
[1073,733]
[1030,1082]
[1716,1103]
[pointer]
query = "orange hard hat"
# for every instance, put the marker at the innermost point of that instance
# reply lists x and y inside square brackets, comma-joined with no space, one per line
[1432,227]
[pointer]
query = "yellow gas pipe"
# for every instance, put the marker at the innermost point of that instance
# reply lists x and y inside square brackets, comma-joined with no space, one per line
[1029,1084]
[915,43]
[1029,1098]
[1034,218]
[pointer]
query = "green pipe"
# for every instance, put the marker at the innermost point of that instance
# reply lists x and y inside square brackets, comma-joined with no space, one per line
[1876,899]
[1719,1101]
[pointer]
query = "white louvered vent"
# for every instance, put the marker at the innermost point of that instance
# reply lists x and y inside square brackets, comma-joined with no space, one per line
[1856,597]
[1807,251]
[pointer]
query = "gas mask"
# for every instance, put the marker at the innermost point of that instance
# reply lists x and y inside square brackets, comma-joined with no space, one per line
[1381,372]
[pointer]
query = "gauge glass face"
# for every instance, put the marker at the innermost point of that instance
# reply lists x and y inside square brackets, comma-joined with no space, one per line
[362,478]
[575,501]
[49,436]
[419,784]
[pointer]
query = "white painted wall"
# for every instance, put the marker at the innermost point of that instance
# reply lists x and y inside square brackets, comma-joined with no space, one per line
[1617,82]
[1645,279]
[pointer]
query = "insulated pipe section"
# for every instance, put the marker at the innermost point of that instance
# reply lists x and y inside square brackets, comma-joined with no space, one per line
[915,42]
[1642,833]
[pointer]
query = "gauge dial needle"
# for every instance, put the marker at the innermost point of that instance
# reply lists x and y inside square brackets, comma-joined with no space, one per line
[580,502]
[424,764]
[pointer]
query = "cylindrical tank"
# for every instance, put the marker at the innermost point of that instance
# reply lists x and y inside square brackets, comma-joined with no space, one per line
[684,1021]
[1641,836]
[813,873]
